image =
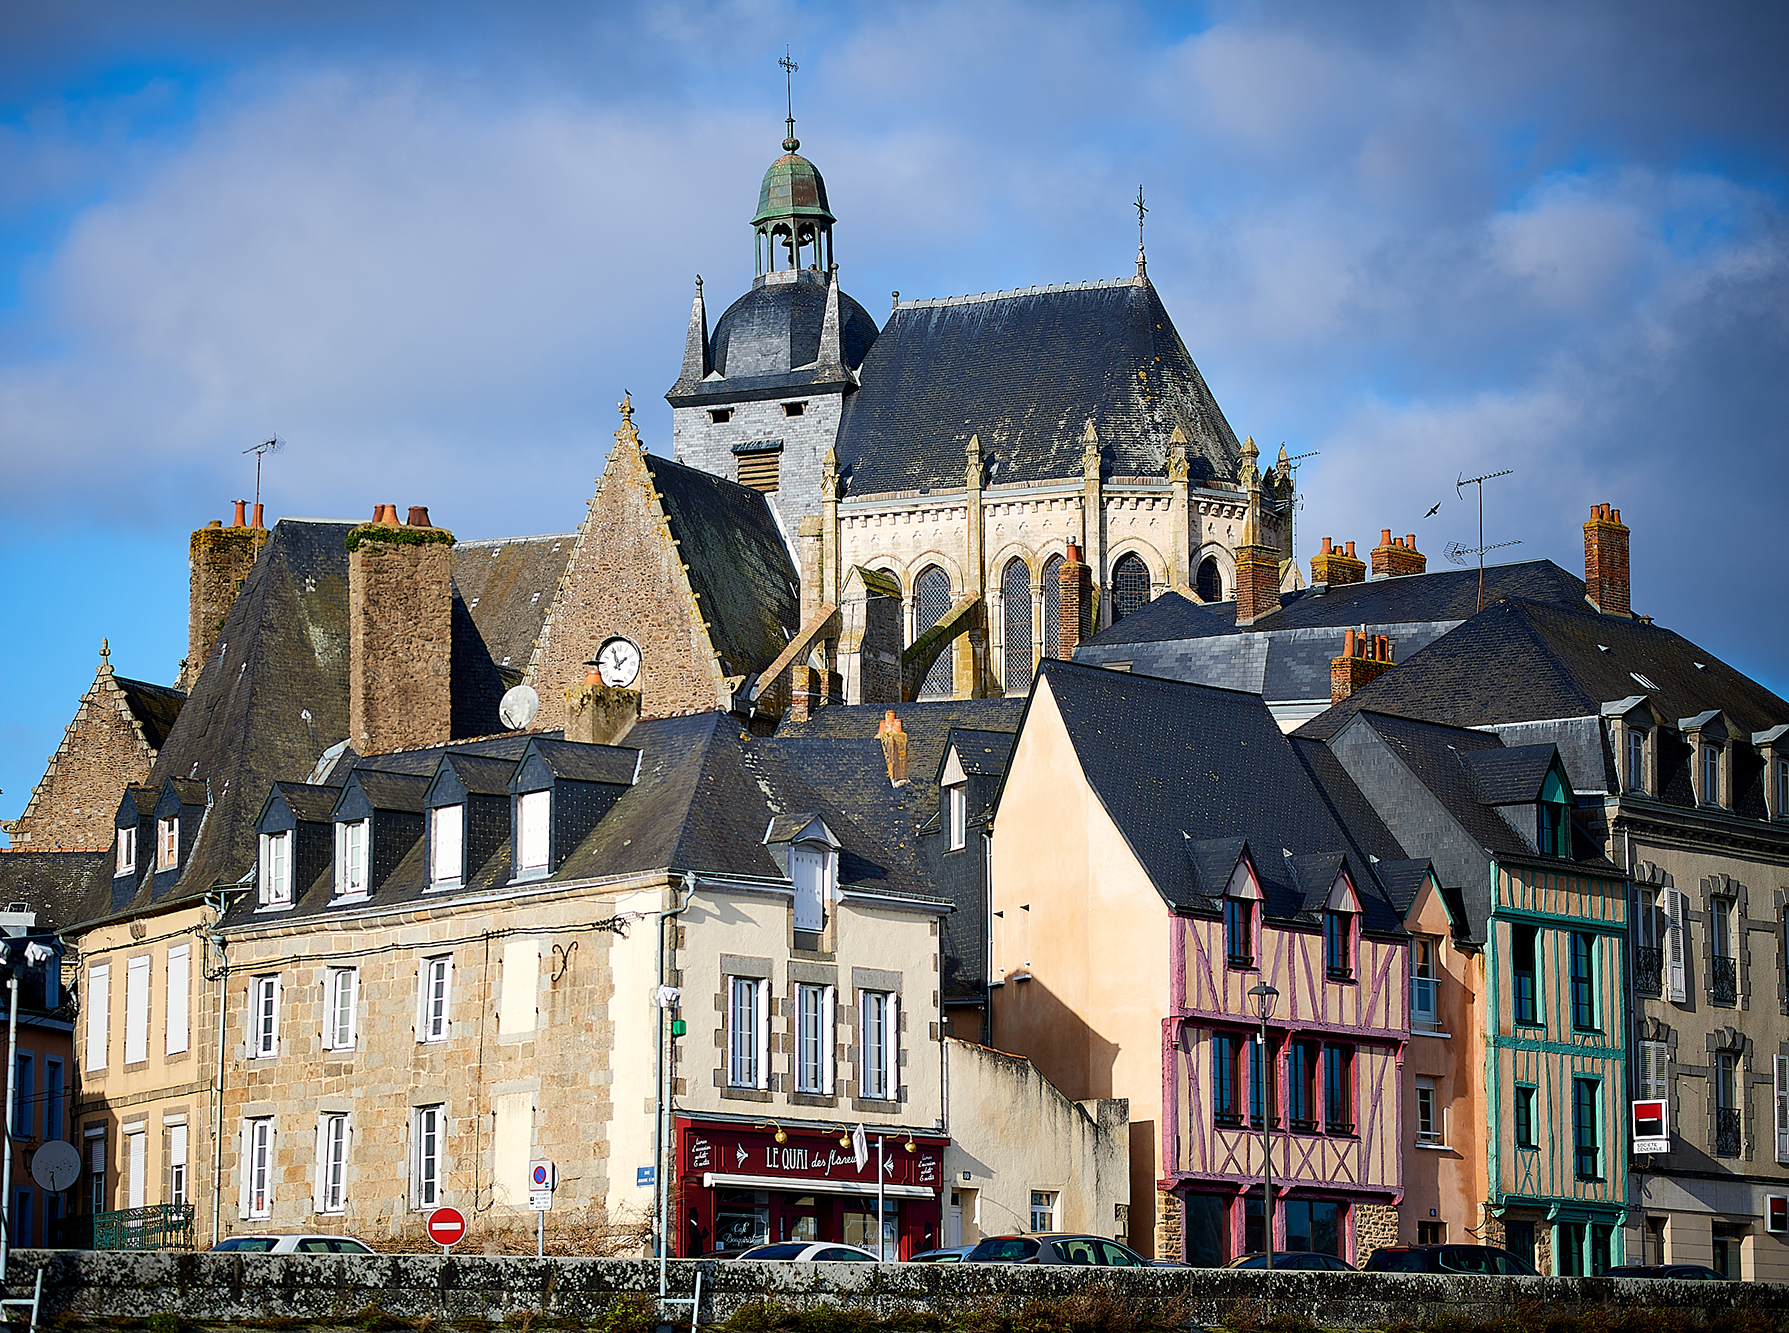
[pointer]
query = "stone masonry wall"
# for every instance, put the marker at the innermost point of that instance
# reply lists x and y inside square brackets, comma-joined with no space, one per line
[400,646]
[1375,1224]
[100,1290]
[220,559]
[102,752]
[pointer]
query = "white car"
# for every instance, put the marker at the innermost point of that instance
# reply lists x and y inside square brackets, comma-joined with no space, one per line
[294,1244]
[810,1252]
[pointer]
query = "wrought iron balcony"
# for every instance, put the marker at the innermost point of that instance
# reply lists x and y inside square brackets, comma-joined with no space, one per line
[1649,970]
[1726,1131]
[161,1226]
[1723,980]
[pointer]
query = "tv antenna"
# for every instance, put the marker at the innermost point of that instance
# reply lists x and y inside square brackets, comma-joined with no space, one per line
[261,451]
[1292,508]
[1459,490]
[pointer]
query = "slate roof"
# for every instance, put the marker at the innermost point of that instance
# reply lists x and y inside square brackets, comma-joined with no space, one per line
[313,804]
[58,886]
[507,586]
[981,753]
[1510,776]
[738,564]
[155,707]
[1026,371]
[1180,767]
[588,763]
[393,791]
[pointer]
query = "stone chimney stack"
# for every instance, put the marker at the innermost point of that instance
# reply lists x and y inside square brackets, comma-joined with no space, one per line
[894,748]
[1365,657]
[220,559]
[1334,566]
[400,633]
[1397,555]
[1605,562]
[1075,606]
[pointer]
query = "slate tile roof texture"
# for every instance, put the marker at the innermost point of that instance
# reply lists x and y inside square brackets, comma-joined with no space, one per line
[981,753]
[507,585]
[156,707]
[1512,775]
[1026,371]
[313,804]
[58,886]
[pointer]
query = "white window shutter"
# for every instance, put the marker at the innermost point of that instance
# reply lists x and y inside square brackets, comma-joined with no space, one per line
[317,1173]
[1676,930]
[244,1167]
[353,1009]
[99,1003]
[175,1005]
[276,1017]
[136,1010]
[763,1035]
[829,1039]
[892,1047]
[1782,1090]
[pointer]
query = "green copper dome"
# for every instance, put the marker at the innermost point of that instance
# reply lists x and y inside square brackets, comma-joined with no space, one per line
[792,188]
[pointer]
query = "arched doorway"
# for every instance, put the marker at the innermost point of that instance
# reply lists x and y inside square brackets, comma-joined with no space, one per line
[1052,590]
[1130,586]
[1015,600]
[1210,583]
[931,599]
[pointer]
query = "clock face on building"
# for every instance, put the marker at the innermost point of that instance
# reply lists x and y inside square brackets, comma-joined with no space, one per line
[618,662]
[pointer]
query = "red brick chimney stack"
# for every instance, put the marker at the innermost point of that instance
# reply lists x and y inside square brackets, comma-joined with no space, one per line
[1075,583]
[1334,566]
[1605,561]
[1365,657]
[1395,556]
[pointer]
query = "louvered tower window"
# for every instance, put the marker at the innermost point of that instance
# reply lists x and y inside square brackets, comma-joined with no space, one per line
[931,595]
[1130,586]
[1015,597]
[760,464]
[1052,577]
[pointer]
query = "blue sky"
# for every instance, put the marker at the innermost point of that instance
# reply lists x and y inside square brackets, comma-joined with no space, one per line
[430,246]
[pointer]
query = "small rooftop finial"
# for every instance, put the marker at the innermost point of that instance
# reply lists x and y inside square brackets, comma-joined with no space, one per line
[1141,210]
[627,405]
[791,143]
[105,652]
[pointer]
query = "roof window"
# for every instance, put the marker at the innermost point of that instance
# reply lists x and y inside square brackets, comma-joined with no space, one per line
[794,409]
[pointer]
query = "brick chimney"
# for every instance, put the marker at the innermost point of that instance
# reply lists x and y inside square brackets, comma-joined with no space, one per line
[1605,562]
[220,559]
[400,633]
[1334,566]
[894,748]
[1075,583]
[1365,658]
[1257,567]
[1397,555]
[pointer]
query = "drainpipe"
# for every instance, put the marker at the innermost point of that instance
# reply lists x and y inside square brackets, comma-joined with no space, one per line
[217,1098]
[661,1130]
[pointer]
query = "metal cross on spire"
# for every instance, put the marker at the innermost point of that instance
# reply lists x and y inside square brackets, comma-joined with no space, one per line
[1141,210]
[789,68]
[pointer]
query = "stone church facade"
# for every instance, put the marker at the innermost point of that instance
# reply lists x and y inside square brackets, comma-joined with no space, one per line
[963,447]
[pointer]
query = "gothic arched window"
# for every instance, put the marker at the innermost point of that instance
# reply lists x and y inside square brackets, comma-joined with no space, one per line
[1015,599]
[931,599]
[1052,579]
[1130,586]
[1210,583]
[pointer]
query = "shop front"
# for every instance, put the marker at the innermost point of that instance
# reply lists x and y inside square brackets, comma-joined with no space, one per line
[741,1185]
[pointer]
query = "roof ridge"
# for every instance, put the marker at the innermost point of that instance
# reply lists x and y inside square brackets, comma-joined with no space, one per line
[1090,285]
[508,541]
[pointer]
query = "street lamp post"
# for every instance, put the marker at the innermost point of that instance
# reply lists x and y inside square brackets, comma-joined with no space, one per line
[36,953]
[1264,995]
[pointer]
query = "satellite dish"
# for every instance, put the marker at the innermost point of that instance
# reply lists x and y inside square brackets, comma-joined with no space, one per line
[519,707]
[55,1166]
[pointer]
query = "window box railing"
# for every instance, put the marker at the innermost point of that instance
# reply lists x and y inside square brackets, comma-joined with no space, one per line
[1723,980]
[1303,1126]
[1241,959]
[1255,1122]
[1339,973]
[1726,1131]
[1340,1128]
[1649,970]
[1226,1120]
[160,1226]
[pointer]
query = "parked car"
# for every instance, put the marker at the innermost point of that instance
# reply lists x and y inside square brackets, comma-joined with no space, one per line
[1687,1272]
[268,1243]
[1055,1249]
[810,1252]
[950,1254]
[1447,1259]
[1295,1261]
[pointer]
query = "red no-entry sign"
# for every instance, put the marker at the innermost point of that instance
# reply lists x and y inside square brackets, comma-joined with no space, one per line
[446,1226]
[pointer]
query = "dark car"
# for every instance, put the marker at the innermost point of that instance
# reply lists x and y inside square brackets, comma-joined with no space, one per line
[1687,1272]
[1055,1249]
[1296,1261]
[1447,1259]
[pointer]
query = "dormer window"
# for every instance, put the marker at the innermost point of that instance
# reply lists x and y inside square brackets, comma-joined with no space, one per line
[167,843]
[1711,773]
[534,811]
[447,844]
[351,838]
[1239,917]
[1555,819]
[956,802]
[1338,945]
[813,869]
[276,869]
[127,850]
[1781,769]
[1636,760]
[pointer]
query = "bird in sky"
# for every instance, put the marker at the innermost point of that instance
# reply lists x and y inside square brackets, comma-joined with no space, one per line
[1431,513]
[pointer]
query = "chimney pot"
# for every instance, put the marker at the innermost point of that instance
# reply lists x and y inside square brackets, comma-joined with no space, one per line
[1396,556]
[419,516]
[388,515]
[1385,536]
[1351,554]
[1074,554]
[241,514]
[259,510]
[1410,541]
[1325,546]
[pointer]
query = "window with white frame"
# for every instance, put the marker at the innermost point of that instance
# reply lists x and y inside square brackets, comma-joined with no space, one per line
[98,1004]
[177,997]
[1636,759]
[878,1045]
[276,869]
[97,1163]
[1424,970]
[257,1136]
[177,1163]
[957,813]
[127,850]
[534,811]
[428,1153]
[136,1010]
[167,843]
[352,837]
[1711,773]
[447,848]
[814,1039]
[332,1162]
[748,1032]
[264,1018]
[1043,1209]
[1431,1129]
[341,988]
[434,978]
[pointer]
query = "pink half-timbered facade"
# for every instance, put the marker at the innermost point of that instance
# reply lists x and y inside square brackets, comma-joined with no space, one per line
[1328,1094]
